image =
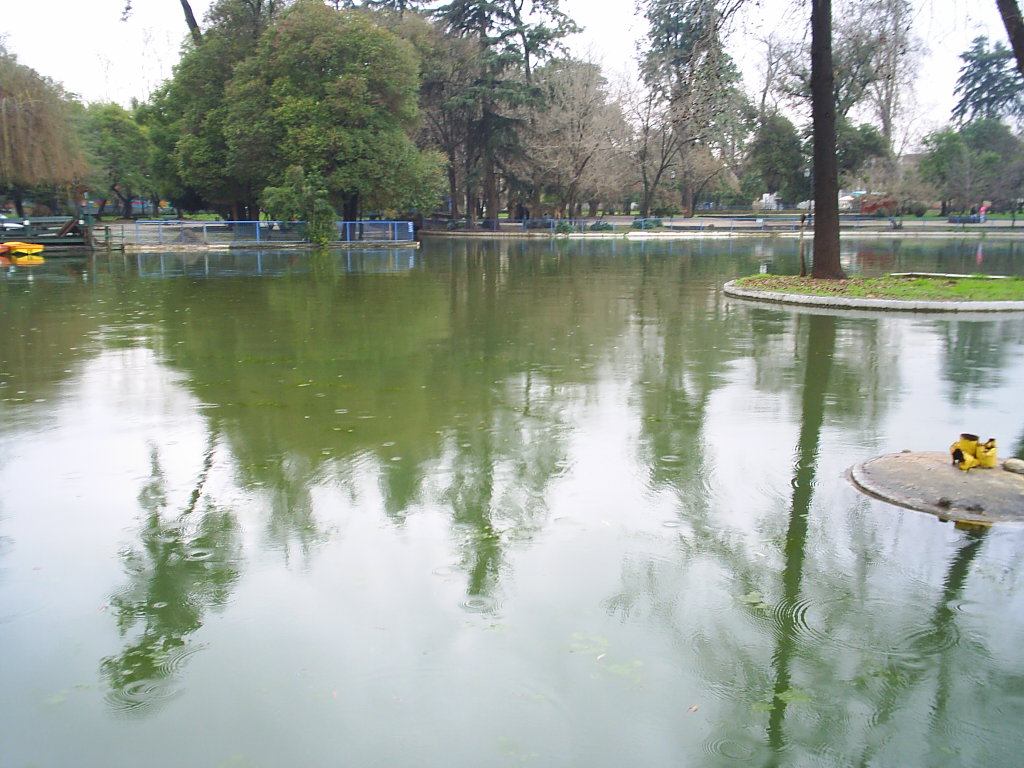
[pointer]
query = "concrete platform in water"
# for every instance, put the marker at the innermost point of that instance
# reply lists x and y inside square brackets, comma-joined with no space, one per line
[929,482]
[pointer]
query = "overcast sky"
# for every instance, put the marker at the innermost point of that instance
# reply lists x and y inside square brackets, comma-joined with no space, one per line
[84,45]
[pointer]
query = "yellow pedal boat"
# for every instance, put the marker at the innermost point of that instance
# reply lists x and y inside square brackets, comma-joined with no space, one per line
[28,259]
[25,249]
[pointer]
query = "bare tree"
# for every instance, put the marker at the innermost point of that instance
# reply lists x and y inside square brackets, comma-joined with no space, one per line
[771,70]
[653,144]
[186,9]
[568,138]
[875,54]
[690,80]
[897,56]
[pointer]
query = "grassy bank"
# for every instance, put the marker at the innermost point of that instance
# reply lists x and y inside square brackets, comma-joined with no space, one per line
[907,288]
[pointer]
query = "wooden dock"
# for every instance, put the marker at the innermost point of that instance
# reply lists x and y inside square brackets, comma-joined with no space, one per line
[49,231]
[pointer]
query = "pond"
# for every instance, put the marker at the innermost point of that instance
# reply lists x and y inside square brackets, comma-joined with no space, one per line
[496,503]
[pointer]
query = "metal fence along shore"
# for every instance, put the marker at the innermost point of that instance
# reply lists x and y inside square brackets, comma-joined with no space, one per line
[178,233]
[767,224]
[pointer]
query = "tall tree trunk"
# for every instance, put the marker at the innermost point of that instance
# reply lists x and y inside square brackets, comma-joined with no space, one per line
[534,206]
[471,183]
[350,208]
[646,195]
[190,20]
[823,117]
[453,189]
[490,188]
[687,197]
[570,202]
[1010,11]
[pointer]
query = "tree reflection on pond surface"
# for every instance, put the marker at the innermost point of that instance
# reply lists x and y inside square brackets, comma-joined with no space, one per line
[494,503]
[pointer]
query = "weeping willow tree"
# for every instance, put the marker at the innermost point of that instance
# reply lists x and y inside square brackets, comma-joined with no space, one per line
[39,143]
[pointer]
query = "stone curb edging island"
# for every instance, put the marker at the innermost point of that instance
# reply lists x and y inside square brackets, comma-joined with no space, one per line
[928,482]
[886,305]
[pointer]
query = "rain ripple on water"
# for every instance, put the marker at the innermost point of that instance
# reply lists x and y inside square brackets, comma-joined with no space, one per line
[482,604]
[138,696]
[847,625]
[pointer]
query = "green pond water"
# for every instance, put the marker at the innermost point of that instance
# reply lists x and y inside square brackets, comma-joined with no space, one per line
[496,503]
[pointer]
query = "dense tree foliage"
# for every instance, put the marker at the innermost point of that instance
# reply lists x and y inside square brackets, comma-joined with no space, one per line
[855,145]
[335,94]
[570,141]
[302,198]
[189,113]
[874,55]
[312,109]
[777,155]
[276,85]
[989,86]
[691,85]
[499,94]
[120,152]
[982,161]
[897,62]
[448,79]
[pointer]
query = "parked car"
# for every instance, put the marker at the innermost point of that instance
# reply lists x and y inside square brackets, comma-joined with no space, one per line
[8,224]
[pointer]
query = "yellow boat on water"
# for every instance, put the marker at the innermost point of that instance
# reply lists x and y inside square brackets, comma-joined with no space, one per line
[15,252]
[25,249]
[28,258]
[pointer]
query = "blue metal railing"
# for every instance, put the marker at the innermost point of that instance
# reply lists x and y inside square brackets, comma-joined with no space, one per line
[178,232]
[271,262]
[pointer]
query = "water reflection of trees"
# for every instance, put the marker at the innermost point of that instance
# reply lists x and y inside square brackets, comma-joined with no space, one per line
[495,489]
[726,662]
[832,657]
[450,387]
[185,564]
[903,661]
[687,340]
[865,368]
[1017,450]
[904,676]
[820,355]
[976,354]
[965,256]
[447,387]
[46,336]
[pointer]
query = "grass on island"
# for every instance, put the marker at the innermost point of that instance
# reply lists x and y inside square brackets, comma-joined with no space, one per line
[916,288]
